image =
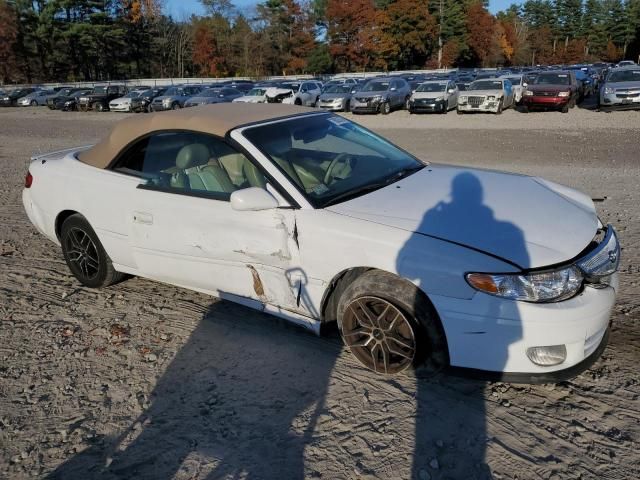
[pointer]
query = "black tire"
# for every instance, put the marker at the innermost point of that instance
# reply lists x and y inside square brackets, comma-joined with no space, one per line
[499,111]
[431,353]
[98,107]
[459,112]
[445,107]
[565,108]
[524,109]
[406,103]
[85,255]
[176,106]
[34,103]
[385,108]
[347,106]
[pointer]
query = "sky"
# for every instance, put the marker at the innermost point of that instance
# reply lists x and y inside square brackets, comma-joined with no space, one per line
[184,8]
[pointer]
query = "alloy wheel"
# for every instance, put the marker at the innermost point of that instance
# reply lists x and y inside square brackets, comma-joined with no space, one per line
[379,335]
[82,253]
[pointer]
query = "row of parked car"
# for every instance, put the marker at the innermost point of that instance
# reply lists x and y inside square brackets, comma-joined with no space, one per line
[558,87]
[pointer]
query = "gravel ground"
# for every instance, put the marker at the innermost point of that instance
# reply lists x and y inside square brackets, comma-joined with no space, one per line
[148,381]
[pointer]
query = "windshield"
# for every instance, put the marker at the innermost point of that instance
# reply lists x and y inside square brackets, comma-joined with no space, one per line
[431,87]
[625,76]
[290,86]
[210,92]
[376,87]
[99,90]
[331,159]
[486,85]
[132,95]
[256,92]
[339,89]
[552,79]
[173,91]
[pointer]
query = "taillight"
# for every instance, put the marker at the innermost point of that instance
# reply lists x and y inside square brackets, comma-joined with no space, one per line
[28,180]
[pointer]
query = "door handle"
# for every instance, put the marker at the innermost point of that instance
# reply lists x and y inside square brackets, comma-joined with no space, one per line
[143,218]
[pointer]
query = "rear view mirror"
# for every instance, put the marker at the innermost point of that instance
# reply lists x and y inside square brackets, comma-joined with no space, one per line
[252,199]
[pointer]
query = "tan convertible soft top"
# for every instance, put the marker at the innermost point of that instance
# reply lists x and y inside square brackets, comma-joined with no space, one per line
[216,119]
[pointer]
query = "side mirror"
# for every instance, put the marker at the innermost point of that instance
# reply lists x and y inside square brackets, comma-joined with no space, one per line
[252,199]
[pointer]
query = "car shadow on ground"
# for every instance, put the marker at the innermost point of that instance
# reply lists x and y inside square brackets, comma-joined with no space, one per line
[243,399]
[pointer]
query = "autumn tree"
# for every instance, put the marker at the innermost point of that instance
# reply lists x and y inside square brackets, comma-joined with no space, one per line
[350,25]
[481,26]
[8,36]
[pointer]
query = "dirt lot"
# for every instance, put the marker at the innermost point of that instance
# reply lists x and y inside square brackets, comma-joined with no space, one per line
[148,381]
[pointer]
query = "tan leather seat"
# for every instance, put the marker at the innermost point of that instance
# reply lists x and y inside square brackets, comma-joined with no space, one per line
[193,163]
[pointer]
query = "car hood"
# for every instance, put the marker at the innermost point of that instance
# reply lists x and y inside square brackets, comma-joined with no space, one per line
[250,99]
[121,100]
[362,94]
[624,85]
[496,93]
[274,91]
[527,221]
[548,88]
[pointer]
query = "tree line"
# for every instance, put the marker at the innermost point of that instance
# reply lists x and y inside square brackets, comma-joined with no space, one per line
[88,40]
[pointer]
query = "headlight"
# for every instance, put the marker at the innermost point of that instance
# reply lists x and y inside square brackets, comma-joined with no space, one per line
[564,94]
[463,99]
[528,93]
[439,99]
[68,102]
[549,286]
[166,101]
[377,98]
[491,97]
[609,90]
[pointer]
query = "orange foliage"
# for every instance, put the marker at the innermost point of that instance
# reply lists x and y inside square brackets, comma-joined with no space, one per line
[481,27]
[613,53]
[351,31]
[205,52]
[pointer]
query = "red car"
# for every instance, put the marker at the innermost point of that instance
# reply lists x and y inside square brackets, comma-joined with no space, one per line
[552,90]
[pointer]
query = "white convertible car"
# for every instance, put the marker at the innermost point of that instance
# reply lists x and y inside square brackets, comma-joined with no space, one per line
[310,217]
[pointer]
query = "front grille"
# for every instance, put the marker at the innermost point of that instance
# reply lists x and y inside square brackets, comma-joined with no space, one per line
[364,99]
[475,101]
[628,95]
[546,94]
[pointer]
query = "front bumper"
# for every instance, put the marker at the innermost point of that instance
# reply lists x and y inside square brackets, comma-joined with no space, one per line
[160,107]
[6,103]
[120,107]
[370,106]
[491,334]
[332,107]
[487,106]
[545,102]
[630,101]
[421,106]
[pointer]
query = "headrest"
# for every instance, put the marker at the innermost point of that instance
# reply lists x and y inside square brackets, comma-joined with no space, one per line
[192,156]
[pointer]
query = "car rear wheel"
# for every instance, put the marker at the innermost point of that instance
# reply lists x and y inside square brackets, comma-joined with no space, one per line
[389,325]
[85,255]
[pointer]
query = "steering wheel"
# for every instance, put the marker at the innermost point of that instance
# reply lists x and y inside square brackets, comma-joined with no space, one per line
[342,157]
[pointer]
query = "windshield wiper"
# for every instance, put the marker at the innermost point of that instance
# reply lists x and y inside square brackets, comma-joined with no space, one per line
[370,187]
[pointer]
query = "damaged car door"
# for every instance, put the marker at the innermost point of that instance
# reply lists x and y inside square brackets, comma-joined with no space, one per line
[185,229]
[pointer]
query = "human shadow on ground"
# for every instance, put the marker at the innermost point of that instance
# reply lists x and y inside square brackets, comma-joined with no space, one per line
[464,216]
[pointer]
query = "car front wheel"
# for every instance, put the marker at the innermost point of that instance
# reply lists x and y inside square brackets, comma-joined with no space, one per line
[389,325]
[84,254]
[385,108]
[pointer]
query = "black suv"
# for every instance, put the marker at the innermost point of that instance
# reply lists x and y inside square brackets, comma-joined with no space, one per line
[100,97]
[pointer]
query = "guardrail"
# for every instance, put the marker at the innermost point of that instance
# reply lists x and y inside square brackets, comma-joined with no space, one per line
[161,82]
